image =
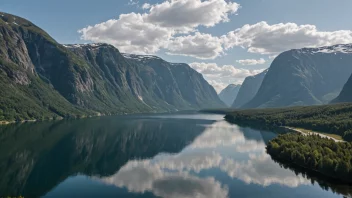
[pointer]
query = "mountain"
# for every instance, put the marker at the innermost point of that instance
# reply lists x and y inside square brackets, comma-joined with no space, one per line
[248,89]
[229,94]
[308,76]
[42,79]
[346,93]
[175,83]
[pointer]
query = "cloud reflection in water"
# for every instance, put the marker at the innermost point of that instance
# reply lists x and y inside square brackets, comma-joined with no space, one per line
[177,175]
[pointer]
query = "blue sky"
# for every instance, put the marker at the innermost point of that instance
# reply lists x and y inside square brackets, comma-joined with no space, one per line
[273,26]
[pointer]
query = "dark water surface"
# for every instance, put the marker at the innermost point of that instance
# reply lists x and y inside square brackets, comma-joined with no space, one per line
[170,155]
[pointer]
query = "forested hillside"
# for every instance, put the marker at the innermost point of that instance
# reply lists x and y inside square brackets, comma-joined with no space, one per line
[334,119]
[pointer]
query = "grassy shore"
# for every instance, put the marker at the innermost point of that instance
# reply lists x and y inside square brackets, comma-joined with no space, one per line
[307,131]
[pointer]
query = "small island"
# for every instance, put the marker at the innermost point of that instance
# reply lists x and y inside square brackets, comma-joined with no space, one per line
[323,155]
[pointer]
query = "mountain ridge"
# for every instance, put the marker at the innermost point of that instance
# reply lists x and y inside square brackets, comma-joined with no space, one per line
[307,76]
[43,79]
[229,94]
[345,95]
[249,89]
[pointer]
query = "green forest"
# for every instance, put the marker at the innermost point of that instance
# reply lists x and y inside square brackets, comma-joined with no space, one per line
[334,119]
[333,159]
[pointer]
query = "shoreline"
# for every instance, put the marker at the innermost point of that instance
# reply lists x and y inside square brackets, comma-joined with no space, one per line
[292,163]
[313,153]
[5,122]
[14,122]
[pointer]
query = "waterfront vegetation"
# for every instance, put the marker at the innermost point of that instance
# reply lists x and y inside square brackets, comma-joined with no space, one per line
[330,158]
[333,119]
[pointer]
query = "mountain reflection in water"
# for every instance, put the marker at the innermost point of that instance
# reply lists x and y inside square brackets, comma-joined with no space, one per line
[145,156]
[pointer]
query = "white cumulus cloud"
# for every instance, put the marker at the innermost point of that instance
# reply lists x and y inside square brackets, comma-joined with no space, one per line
[129,33]
[191,13]
[146,6]
[201,46]
[226,74]
[263,38]
[143,176]
[160,28]
[251,61]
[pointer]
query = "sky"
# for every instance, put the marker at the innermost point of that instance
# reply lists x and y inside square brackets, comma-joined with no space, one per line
[225,40]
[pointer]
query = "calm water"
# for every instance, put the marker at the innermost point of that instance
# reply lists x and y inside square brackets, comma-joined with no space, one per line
[171,156]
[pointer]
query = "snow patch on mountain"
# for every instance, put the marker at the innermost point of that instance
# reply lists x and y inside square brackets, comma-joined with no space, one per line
[341,48]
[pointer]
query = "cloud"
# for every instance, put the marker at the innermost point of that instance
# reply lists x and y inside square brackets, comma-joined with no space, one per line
[261,170]
[218,134]
[161,28]
[202,46]
[142,176]
[168,175]
[218,85]
[226,74]
[263,38]
[129,33]
[251,61]
[146,6]
[133,3]
[189,14]
[191,161]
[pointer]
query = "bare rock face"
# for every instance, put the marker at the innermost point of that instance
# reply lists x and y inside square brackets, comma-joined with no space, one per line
[82,80]
[308,76]
[20,77]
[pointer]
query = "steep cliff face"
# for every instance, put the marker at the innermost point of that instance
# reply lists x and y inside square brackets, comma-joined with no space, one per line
[26,91]
[229,94]
[346,93]
[308,76]
[175,83]
[42,79]
[248,89]
[112,82]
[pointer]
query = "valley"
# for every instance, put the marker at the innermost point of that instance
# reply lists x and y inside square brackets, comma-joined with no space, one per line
[175,99]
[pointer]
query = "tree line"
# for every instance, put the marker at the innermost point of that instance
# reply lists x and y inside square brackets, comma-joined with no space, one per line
[333,159]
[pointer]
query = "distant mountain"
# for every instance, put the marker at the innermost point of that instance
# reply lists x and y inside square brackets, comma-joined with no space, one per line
[308,76]
[346,93]
[248,89]
[42,79]
[229,94]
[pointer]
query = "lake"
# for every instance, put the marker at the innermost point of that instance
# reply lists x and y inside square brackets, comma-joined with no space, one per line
[156,155]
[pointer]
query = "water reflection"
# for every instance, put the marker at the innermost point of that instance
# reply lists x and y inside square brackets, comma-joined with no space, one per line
[36,157]
[206,152]
[147,156]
